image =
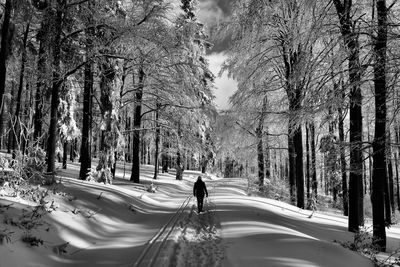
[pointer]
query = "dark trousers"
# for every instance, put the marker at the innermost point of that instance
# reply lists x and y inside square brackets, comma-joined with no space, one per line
[200,203]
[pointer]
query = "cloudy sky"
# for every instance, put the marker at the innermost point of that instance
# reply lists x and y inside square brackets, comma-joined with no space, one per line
[212,12]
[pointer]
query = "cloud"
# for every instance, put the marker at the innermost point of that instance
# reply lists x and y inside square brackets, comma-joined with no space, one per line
[210,13]
[223,5]
[225,86]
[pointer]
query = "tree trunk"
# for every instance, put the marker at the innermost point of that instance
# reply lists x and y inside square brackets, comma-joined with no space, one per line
[204,163]
[260,148]
[347,28]
[85,158]
[285,169]
[364,172]
[342,150]
[39,93]
[267,155]
[20,87]
[390,171]
[108,138]
[331,155]
[137,119]
[164,154]
[157,142]
[267,160]
[356,196]
[143,150]
[314,182]
[179,165]
[11,134]
[298,146]
[326,175]
[276,174]
[26,119]
[51,141]
[388,214]
[164,166]
[396,160]
[260,157]
[294,94]
[65,155]
[296,174]
[379,179]
[148,155]
[321,173]
[292,169]
[128,152]
[114,164]
[308,165]
[369,158]
[3,56]
[72,153]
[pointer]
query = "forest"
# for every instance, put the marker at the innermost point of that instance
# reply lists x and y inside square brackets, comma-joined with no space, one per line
[315,118]
[109,80]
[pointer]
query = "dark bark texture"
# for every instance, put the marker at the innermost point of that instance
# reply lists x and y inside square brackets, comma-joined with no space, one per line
[56,81]
[3,56]
[308,165]
[379,178]
[108,135]
[137,119]
[347,28]
[16,127]
[85,158]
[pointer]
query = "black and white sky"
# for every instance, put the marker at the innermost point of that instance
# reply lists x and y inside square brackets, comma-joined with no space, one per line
[211,13]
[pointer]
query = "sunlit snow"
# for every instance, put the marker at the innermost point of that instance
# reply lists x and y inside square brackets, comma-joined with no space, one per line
[111,225]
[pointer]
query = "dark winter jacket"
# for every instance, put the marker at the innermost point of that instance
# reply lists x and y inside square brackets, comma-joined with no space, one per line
[199,189]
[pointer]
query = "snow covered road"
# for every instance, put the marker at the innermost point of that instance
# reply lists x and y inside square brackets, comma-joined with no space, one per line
[263,232]
[110,225]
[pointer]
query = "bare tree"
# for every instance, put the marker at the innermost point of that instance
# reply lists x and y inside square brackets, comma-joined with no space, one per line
[350,38]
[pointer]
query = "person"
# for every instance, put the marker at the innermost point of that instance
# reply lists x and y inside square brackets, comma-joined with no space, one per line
[199,190]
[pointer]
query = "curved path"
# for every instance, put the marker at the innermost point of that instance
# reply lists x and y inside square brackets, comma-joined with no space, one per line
[262,232]
[236,230]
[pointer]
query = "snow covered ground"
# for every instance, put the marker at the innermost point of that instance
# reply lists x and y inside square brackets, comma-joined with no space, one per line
[91,224]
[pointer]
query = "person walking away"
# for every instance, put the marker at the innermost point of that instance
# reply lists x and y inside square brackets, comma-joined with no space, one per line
[199,190]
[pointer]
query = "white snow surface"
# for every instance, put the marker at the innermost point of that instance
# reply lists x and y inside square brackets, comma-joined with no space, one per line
[111,225]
